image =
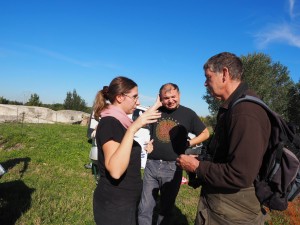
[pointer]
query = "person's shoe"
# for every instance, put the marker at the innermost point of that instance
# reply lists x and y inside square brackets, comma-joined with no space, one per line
[88,166]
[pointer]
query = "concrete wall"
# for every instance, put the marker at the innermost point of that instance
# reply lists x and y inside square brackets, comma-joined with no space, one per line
[34,114]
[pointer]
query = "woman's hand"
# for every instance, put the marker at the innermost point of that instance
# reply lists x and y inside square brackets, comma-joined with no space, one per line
[157,104]
[149,116]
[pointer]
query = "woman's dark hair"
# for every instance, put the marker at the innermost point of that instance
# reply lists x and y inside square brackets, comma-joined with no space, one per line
[119,85]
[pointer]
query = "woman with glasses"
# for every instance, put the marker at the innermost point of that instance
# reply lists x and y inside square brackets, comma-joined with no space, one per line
[118,191]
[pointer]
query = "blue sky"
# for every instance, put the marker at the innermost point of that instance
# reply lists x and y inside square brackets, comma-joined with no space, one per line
[52,47]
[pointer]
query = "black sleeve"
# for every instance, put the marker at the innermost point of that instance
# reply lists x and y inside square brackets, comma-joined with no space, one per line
[108,129]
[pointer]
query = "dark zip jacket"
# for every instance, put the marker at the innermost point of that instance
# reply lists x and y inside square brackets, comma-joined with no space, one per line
[238,145]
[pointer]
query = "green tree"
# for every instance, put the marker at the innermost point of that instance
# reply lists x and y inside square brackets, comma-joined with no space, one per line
[55,106]
[294,104]
[208,121]
[15,103]
[213,104]
[68,103]
[271,81]
[3,100]
[74,102]
[6,101]
[34,100]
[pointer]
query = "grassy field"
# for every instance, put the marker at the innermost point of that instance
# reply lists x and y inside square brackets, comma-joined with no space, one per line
[47,183]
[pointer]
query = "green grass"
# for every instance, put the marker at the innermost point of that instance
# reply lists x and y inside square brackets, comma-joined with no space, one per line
[47,183]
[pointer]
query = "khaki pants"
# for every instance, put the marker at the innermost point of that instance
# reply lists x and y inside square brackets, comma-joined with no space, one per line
[241,207]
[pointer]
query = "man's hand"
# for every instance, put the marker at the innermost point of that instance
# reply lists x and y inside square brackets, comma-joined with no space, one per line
[149,146]
[188,162]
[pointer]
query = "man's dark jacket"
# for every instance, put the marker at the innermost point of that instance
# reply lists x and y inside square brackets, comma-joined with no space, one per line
[238,145]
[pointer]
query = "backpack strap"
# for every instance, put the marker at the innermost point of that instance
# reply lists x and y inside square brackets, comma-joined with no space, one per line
[258,101]
[273,117]
[254,99]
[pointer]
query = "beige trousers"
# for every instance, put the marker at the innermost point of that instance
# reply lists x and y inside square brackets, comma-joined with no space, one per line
[241,207]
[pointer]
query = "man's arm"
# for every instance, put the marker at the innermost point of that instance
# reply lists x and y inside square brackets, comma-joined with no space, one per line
[204,135]
[248,138]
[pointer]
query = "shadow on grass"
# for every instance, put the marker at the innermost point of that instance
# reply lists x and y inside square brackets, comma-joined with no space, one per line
[15,196]
[9,164]
[15,199]
[177,218]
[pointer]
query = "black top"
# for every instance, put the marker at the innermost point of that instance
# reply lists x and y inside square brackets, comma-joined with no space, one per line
[128,187]
[170,133]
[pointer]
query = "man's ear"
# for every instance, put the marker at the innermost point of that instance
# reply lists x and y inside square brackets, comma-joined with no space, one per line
[225,74]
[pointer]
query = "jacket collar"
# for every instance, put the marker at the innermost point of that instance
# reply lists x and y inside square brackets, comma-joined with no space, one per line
[239,92]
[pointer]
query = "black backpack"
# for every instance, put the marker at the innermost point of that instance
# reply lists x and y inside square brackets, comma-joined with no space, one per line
[278,180]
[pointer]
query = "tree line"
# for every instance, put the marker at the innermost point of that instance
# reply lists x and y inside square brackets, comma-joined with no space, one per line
[73,101]
[270,80]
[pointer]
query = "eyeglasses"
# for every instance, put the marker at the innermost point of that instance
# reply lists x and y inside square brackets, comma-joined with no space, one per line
[134,98]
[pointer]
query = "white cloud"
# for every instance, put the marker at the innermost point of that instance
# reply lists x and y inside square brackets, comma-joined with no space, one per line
[4,52]
[62,57]
[287,33]
[294,8]
[57,55]
[283,33]
[291,4]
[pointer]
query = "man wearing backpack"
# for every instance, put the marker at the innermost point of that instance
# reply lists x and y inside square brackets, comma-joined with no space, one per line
[236,149]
